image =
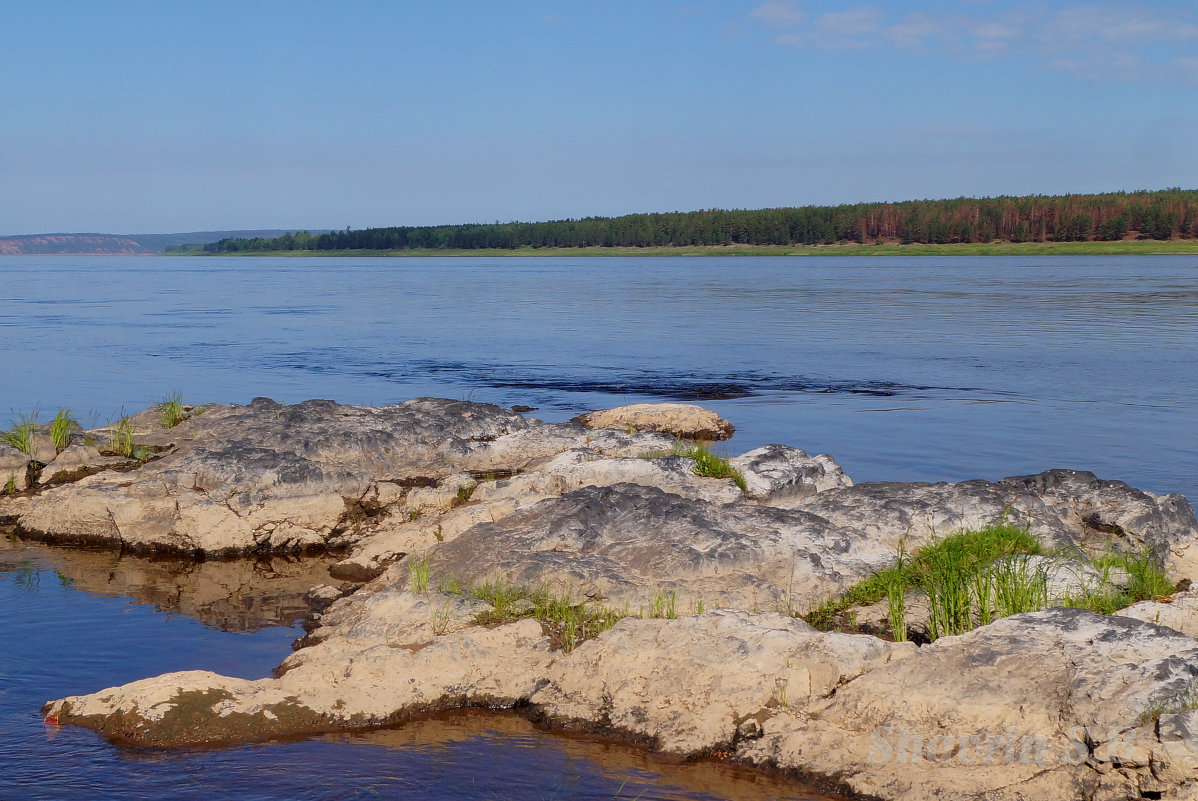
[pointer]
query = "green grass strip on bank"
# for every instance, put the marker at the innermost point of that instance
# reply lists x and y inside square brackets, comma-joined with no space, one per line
[1147,247]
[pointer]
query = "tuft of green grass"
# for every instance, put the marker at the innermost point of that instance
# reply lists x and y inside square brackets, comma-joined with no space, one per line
[120,438]
[569,620]
[974,577]
[60,430]
[418,574]
[170,410]
[1148,581]
[710,465]
[10,487]
[663,606]
[21,434]
[1019,586]
[945,570]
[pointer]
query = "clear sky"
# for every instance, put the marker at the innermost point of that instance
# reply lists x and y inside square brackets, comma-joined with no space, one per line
[158,116]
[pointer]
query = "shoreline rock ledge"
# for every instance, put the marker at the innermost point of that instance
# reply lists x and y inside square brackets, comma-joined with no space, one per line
[676,599]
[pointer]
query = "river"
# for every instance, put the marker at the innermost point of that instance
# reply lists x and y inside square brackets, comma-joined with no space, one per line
[901,368]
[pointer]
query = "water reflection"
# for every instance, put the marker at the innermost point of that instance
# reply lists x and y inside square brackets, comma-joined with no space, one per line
[234,595]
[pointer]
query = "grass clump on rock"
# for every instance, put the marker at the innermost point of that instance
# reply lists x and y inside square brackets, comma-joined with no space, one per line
[171,411]
[60,430]
[974,577]
[710,465]
[20,435]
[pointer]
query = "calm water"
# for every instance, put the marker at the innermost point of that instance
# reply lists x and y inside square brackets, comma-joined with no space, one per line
[913,368]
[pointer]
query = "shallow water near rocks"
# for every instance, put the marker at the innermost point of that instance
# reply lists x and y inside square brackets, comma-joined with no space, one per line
[901,368]
[90,620]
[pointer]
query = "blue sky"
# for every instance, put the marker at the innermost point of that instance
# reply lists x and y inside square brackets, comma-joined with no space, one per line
[170,116]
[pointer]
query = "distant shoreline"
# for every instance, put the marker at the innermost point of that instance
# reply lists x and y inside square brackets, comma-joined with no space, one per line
[1147,247]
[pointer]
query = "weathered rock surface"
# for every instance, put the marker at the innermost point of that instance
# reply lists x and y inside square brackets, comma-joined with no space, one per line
[776,473]
[14,468]
[478,493]
[1056,704]
[697,683]
[1180,612]
[683,420]
[1064,508]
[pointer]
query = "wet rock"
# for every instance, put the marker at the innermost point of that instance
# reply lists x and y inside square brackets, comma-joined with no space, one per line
[682,420]
[361,680]
[777,472]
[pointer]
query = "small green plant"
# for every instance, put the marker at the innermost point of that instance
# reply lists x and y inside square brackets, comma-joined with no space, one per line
[441,617]
[1147,580]
[463,495]
[896,610]
[60,430]
[21,435]
[120,438]
[414,514]
[170,410]
[451,587]
[664,606]
[570,620]
[709,465]
[11,486]
[418,574]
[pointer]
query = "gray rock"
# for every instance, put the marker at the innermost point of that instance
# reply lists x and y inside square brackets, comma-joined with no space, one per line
[14,468]
[776,473]
[266,476]
[1063,508]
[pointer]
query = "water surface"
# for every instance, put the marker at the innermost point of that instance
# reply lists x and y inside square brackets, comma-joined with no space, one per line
[901,368]
[933,368]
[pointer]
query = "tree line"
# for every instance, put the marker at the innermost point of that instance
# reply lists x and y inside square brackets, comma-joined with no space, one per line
[1165,214]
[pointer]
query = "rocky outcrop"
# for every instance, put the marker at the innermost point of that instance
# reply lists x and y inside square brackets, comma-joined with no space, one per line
[683,420]
[436,498]
[1064,508]
[1054,705]
[317,475]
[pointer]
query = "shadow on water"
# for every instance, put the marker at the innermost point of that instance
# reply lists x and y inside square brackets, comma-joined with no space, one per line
[83,619]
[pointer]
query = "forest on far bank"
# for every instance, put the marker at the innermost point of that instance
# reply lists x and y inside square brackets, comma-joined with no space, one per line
[1161,215]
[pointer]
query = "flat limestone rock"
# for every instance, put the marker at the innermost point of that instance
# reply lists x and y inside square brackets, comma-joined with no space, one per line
[683,420]
[1064,693]
[267,477]
[1179,613]
[1053,705]
[691,684]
